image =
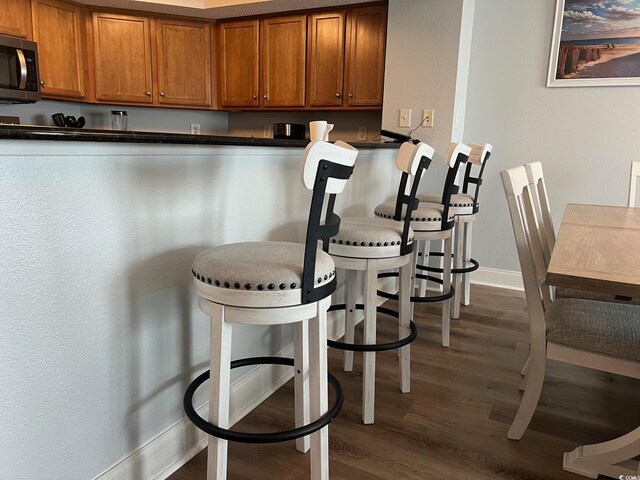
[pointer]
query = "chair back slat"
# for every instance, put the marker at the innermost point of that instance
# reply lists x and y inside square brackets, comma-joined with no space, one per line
[546,230]
[331,165]
[456,157]
[477,161]
[633,183]
[517,191]
[412,160]
[339,152]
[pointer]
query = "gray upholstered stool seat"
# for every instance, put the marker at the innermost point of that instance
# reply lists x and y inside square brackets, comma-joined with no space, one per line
[366,237]
[601,327]
[562,292]
[427,217]
[460,204]
[259,267]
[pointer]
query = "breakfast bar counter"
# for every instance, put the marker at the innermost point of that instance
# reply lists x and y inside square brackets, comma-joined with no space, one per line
[33,132]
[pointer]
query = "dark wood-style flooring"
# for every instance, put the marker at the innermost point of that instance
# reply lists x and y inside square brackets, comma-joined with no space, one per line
[453,424]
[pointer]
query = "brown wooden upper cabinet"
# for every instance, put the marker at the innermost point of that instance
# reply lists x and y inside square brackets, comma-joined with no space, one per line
[238,63]
[365,52]
[283,50]
[122,57]
[15,18]
[325,59]
[184,62]
[58,29]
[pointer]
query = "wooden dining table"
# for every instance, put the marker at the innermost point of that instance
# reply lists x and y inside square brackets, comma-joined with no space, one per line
[598,249]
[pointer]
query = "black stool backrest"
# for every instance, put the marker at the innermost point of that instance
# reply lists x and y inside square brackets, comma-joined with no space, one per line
[413,161]
[457,155]
[325,169]
[479,156]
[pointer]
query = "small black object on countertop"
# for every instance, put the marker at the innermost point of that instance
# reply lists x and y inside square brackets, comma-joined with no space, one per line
[30,132]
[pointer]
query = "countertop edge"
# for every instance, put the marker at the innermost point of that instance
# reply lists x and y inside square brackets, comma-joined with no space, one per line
[28,132]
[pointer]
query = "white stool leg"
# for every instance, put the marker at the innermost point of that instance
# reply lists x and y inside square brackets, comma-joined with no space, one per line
[350,317]
[446,285]
[318,391]
[404,315]
[219,384]
[466,287]
[301,380]
[369,363]
[457,258]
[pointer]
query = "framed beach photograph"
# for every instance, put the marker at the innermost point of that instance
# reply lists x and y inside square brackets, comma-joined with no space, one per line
[595,43]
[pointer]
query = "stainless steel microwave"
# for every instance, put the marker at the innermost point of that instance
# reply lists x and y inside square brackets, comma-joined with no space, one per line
[19,82]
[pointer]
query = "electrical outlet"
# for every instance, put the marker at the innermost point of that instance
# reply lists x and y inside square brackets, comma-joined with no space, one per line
[362,133]
[195,129]
[267,131]
[427,118]
[404,118]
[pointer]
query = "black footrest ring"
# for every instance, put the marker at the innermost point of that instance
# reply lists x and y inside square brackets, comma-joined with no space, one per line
[247,437]
[377,347]
[474,265]
[417,299]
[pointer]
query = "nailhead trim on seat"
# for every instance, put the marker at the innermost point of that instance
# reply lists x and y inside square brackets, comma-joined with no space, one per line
[248,286]
[434,219]
[371,244]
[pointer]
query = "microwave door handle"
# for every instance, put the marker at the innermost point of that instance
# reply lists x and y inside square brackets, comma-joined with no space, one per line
[23,69]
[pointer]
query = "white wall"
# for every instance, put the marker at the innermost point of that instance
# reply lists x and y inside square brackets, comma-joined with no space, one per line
[584,137]
[100,329]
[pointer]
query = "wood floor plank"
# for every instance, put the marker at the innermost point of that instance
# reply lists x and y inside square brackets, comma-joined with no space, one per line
[454,421]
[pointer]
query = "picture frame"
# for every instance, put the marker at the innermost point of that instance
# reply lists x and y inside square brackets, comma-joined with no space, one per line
[595,43]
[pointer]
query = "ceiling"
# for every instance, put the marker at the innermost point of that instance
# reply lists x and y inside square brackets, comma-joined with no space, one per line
[212,9]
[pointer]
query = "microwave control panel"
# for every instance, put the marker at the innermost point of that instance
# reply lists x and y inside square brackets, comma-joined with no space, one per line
[32,70]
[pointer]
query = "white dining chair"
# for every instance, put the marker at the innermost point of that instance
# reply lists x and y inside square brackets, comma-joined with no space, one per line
[633,183]
[598,335]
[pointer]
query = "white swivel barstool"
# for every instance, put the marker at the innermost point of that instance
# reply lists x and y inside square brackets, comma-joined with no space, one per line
[270,283]
[435,222]
[373,245]
[465,206]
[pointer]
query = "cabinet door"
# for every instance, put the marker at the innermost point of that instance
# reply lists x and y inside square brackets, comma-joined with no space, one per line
[58,29]
[238,64]
[325,60]
[366,34]
[283,50]
[184,62]
[122,52]
[15,18]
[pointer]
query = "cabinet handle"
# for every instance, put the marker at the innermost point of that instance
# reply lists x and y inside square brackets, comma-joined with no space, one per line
[148,94]
[266,97]
[351,95]
[42,82]
[162,94]
[337,95]
[255,97]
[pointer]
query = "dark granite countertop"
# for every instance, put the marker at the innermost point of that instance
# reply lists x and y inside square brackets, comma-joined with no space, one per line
[32,132]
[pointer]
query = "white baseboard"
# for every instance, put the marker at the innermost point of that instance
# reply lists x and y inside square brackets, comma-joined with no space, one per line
[494,277]
[167,452]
